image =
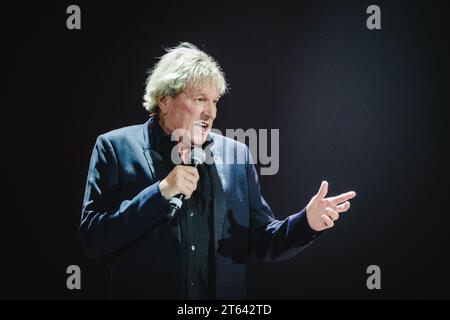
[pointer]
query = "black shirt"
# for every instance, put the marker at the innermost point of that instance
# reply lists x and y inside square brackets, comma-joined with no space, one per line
[195,221]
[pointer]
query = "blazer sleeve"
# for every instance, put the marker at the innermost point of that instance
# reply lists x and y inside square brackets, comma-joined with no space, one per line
[272,239]
[108,223]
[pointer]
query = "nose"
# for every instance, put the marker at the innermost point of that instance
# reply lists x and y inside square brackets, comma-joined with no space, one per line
[210,111]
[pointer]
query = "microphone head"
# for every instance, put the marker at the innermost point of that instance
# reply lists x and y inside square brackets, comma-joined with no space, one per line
[198,156]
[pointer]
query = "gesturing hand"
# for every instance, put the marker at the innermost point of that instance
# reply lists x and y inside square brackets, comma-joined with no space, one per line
[321,212]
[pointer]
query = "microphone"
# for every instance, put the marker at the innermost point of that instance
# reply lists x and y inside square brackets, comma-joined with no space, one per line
[197,157]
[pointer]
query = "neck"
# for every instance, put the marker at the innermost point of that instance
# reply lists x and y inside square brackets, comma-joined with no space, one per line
[163,125]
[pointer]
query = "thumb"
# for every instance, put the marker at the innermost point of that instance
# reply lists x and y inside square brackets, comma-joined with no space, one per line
[323,190]
[184,153]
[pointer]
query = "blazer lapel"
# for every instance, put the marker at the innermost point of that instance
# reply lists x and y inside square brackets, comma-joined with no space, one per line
[158,171]
[218,183]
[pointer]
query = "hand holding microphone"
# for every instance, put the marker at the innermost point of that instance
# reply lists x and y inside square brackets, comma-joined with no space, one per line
[182,179]
[181,182]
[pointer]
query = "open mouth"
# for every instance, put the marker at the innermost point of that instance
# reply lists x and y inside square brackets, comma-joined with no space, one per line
[203,126]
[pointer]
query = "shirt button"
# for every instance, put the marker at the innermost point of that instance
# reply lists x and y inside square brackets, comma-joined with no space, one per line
[192,248]
[191,214]
[192,283]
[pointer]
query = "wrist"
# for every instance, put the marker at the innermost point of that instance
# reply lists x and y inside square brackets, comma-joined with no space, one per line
[163,189]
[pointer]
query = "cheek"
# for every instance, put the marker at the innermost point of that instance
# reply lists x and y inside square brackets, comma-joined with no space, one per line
[190,109]
[185,115]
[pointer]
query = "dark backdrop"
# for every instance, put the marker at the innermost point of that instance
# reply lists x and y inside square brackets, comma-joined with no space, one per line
[366,110]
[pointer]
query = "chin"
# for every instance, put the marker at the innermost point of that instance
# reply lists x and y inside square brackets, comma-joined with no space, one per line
[199,141]
[199,138]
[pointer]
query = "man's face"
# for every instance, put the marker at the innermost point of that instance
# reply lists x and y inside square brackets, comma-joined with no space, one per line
[192,111]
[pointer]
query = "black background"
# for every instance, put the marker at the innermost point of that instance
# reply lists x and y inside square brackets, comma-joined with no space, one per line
[365,110]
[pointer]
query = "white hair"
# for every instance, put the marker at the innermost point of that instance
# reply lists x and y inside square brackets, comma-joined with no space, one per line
[179,67]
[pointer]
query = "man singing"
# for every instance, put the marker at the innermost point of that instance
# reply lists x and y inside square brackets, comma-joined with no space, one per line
[201,252]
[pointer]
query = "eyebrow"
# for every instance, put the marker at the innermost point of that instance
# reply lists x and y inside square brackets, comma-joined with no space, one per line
[204,94]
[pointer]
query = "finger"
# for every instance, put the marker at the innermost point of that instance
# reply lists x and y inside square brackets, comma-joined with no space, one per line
[342,197]
[183,190]
[323,190]
[192,171]
[190,177]
[184,148]
[185,156]
[187,191]
[332,214]
[187,195]
[191,188]
[189,181]
[327,221]
[343,207]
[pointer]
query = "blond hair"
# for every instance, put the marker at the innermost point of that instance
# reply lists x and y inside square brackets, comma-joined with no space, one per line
[181,66]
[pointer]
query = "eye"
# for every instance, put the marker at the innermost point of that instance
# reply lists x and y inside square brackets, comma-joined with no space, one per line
[200,99]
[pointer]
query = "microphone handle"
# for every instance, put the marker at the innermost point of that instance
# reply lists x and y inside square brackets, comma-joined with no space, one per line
[173,208]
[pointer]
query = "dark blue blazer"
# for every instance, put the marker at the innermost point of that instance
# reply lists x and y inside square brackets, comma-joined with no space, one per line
[123,217]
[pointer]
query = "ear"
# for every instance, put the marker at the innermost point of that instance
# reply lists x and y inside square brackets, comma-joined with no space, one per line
[163,103]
